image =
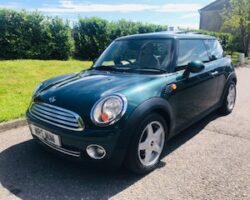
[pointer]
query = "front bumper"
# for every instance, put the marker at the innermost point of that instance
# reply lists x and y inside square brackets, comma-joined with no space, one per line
[74,143]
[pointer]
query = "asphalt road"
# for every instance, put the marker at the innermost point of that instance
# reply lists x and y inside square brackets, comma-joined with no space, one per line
[210,160]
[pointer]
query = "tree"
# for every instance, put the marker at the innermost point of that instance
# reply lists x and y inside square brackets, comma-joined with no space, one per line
[61,43]
[237,20]
[91,37]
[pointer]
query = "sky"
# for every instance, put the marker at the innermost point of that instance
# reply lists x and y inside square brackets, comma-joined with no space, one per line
[177,13]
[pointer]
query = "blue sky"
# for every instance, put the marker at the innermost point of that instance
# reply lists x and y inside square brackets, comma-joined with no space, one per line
[167,12]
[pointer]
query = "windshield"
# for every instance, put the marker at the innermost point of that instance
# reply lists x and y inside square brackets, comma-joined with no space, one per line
[137,54]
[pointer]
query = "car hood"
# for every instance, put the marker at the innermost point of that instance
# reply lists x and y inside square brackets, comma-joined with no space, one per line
[79,92]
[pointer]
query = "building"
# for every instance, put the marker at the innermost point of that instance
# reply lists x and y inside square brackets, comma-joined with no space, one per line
[210,15]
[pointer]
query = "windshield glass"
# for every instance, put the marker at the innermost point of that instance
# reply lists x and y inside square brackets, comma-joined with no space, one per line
[137,54]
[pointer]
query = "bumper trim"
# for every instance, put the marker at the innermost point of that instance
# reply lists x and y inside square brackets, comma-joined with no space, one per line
[62,150]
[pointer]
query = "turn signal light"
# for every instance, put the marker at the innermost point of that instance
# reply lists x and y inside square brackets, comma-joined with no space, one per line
[105,117]
[173,86]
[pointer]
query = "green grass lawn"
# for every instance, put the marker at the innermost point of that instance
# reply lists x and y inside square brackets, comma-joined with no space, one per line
[235,57]
[18,78]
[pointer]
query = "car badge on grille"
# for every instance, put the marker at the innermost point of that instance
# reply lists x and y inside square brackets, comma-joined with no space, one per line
[52,99]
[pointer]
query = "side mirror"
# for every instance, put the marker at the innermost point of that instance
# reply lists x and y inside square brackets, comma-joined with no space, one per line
[193,67]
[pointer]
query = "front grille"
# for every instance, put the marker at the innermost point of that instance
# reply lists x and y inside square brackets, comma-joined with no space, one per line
[57,116]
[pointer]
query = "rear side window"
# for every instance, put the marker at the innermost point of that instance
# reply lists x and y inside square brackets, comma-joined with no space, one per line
[191,50]
[214,48]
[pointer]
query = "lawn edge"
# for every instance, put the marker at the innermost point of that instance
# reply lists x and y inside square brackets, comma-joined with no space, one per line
[5,126]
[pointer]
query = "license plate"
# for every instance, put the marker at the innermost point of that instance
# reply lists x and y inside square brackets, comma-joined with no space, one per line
[46,135]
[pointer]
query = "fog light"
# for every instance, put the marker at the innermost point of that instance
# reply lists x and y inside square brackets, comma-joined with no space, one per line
[95,151]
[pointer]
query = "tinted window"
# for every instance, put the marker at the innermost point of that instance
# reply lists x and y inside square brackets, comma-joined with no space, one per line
[214,48]
[192,50]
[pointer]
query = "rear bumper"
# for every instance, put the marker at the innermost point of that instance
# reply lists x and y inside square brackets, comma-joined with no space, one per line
[74,144]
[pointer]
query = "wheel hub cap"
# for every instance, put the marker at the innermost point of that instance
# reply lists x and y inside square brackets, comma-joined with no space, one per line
[151,143]
[231,97]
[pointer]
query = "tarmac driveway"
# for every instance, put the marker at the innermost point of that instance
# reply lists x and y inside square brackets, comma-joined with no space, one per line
[210,160]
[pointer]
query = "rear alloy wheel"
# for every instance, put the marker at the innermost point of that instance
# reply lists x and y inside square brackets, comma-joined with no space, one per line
[231,97]
[229,100]
[147,146]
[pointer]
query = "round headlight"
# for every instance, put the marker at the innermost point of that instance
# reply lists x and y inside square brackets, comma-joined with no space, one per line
[109,110]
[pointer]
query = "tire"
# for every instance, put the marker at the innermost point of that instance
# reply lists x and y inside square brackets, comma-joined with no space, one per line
[229,99]
[147,145]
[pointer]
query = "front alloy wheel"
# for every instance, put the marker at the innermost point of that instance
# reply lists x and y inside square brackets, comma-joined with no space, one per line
[151,143]
[147,146]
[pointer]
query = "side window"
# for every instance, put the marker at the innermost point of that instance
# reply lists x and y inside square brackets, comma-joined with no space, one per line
[215,49]
[191,50]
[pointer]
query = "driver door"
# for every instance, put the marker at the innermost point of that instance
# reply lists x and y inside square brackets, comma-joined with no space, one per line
[196,94]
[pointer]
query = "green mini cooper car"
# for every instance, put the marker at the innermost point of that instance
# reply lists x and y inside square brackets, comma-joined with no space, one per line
[143,90]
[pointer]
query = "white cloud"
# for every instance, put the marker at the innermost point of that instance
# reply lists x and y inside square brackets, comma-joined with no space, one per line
[188,26]
[11,5]
[98,8]
[190,15]
[178,7]
[68,6]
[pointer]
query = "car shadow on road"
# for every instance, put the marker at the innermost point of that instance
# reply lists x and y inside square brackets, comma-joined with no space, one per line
[30,172]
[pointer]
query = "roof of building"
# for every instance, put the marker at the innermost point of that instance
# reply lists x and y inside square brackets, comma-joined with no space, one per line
[167,35]
[216,5]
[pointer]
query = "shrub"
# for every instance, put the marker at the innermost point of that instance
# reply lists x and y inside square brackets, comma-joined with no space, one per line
[61,42]
[93,35]
[31,35]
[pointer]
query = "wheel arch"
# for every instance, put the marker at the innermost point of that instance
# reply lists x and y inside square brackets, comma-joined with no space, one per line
[231,77]
[165,115]
[153,105]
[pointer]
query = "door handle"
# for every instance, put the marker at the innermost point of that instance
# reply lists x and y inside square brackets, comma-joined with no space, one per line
[214,73]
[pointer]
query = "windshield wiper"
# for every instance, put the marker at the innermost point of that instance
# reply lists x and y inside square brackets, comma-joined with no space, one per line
[132,69]
[111,68]
[103,67]
[148,69]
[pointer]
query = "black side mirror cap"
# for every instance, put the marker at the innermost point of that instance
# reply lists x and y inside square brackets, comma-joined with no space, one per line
[213,57]
[193,67]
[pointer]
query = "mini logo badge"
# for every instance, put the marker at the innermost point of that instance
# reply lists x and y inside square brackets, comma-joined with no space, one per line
[52,99]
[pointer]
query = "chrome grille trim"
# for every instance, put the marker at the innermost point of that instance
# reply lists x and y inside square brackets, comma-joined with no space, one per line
[57,116]
[52,115]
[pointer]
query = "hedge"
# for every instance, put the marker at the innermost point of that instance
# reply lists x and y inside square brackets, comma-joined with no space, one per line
[31,35]
[93,35]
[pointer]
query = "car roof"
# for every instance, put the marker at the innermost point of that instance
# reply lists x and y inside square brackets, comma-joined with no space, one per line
[168,35]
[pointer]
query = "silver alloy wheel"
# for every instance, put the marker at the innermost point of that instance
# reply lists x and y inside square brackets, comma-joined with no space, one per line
[151,143]
[231,96]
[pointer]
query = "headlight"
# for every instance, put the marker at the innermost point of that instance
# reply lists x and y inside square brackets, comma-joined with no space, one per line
[109,110]
[37,89]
